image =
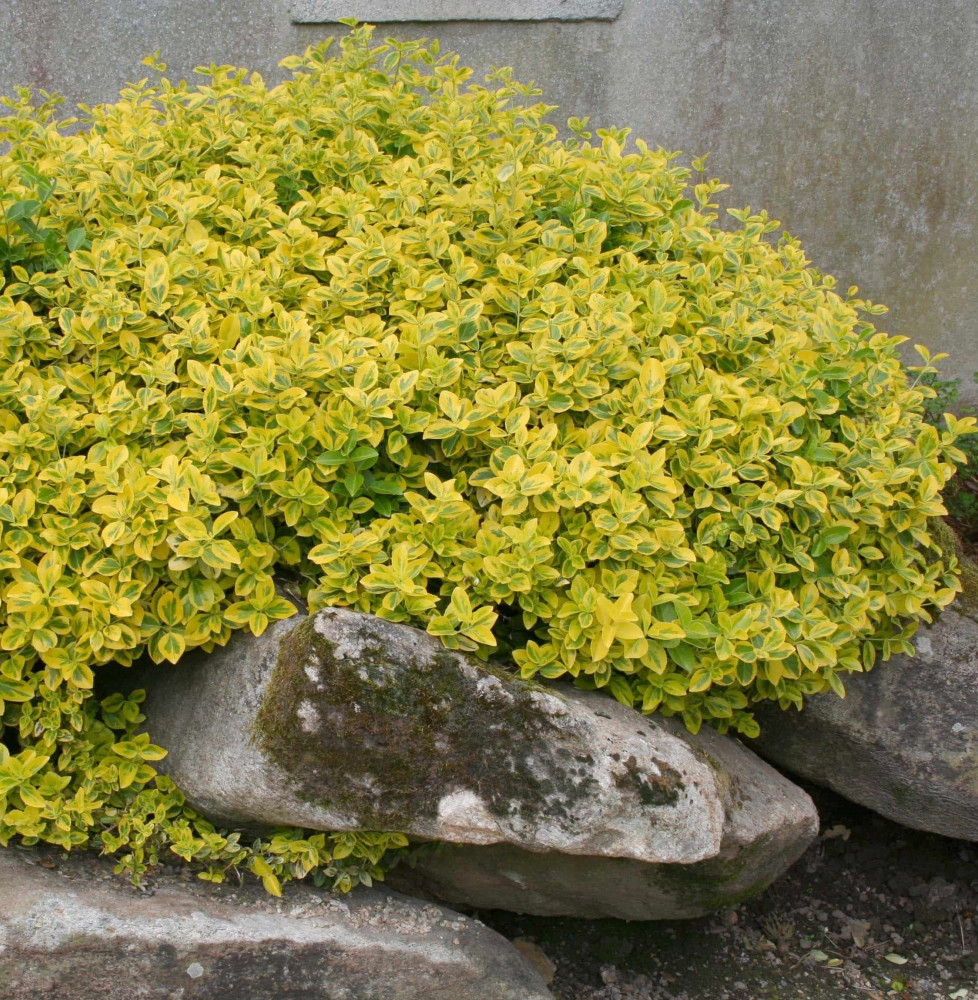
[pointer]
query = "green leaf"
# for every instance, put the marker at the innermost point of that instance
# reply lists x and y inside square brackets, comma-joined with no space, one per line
[22,210]
[835,535]
[13,690]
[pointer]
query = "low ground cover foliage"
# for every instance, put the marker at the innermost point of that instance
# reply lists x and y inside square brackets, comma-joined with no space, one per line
[381,332]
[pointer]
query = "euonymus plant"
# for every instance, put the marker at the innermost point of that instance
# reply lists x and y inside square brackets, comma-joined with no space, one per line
[380,331]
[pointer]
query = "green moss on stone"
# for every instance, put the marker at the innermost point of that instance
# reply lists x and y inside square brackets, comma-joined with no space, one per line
[649,793]
[384,742]
[718,882]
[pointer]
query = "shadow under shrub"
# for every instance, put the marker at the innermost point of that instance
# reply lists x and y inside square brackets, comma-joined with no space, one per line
[382,332]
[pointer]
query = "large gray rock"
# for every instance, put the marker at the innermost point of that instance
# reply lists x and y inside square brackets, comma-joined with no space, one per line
[768,822]
[904,740]
[344,721]
[75,935]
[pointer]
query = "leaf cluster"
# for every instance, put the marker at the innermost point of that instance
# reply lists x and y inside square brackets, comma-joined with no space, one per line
[379,330]
[961,492]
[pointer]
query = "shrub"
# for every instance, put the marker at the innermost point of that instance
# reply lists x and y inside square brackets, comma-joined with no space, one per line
[384,333]
[961,493]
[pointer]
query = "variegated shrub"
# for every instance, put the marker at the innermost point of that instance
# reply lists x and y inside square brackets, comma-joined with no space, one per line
[381,332]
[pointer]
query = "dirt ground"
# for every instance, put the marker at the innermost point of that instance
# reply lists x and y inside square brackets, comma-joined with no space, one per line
[872,910]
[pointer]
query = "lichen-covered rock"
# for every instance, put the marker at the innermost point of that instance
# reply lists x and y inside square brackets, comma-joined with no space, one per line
[345,721]
[904,740]
[75,934]
[768,823]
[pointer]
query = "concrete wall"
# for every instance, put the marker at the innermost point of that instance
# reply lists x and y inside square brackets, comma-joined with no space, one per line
[855,122]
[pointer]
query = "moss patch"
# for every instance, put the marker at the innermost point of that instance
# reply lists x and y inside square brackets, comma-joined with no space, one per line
[649,792]
[950,544]
[384,741]
[725,880]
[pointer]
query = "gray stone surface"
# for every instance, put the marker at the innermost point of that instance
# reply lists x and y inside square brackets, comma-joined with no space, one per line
[345,721]
[330,11]
[855,122]
[81,934]
[768,823]
[904,740]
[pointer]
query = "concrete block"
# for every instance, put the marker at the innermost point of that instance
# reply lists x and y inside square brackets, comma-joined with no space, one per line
[330,11]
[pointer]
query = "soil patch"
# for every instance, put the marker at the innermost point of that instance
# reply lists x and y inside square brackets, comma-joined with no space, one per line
[872,910]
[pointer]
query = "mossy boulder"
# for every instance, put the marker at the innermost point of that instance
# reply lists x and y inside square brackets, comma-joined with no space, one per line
[768,823]
[344,721]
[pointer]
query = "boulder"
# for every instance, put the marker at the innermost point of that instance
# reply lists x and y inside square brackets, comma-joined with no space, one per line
[83,934]
[343,721]
[768,823]
[904,740]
